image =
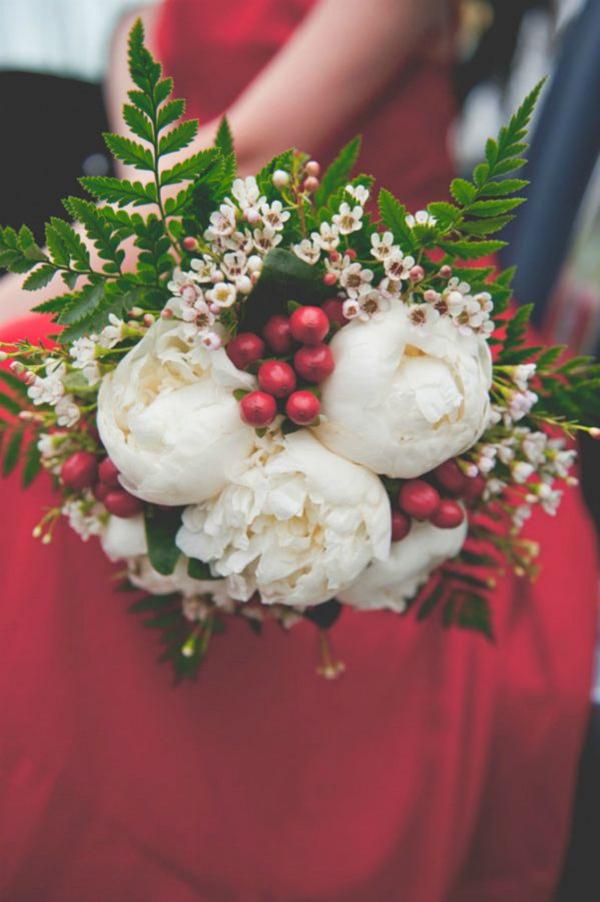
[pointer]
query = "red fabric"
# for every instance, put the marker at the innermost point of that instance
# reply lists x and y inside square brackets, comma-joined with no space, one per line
[440,767]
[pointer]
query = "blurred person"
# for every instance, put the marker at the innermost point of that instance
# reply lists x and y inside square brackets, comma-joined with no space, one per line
[439,767]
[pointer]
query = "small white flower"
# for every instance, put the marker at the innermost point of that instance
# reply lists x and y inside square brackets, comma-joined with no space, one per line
[351,308]
[203,269]
[520,515]
[360,193]
[349,219]
[487,459]
[550,498]
[212,341]
[48,389]
[328,236]
[422,218]
[266,239]
[280,178]
[307,250]
[247,193]
[234,264]
[203,317]
[67,411]
[353,277]
[274,215]
[422,314]
[222,221]
[223,294]
[83,352]
[522,374]
[372,302]
[397,266]
[534,446]
[521,471]
[112,334]
[520,404]
[382,245]
[493,487]
[84,516]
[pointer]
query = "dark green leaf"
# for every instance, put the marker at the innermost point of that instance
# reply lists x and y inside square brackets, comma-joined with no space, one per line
[393,214]
[119,191]
[132,153]
[463,192]
[40,277]
[138,122]
[191,168]
[224,138]
[11,455]
[169,113]
[162,525]
[338,173]
[178,138]
[33,463]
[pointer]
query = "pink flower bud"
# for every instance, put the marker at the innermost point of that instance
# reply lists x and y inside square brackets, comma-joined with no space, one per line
[445,271]
[148,319]
[417,273]
[310,184]
[313,168]
[189,243]
[431,296]
[252,216]
[167,314]
[330,278]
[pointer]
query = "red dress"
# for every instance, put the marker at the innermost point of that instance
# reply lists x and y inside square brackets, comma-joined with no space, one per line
[440,767]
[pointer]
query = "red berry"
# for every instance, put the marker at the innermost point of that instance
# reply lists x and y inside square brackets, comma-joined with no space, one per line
[278,334]
[448,514]
[108,474]
[122,504]
[314,363]
[277,378]
[302,407]
[79,471]
[418,498]
[450,477]
[330,278]
[474,487]
[400,526]
[258,409]
[309,325]
[244,349]
[334,311]
[101,490]
[189,243]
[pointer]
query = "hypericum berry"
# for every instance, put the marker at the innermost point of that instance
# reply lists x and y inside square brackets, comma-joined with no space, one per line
[190,243]
[448,514]
[400,525]
[302,407]
[101,490]
[474,487]
[418,498]
[79,471]
[450,477]
[334,311]
[258,409]
[244,349]
[314,362]
[122,504]
[108,473]
[278,334]
[309,325]
[277,378]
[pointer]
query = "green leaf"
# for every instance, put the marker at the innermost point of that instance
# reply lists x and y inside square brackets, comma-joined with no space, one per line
[82,304]
[99,230]
[119,191]
[338,173]
[163,90]
[463,192]
[33,463]
[503,187]
[13,382]
[145,72]
[13,450]
[191,168]
[28,245]
[471,250]
[9,404]
[178,138]
[483,227]
[427,606]
[71,242]
[170,113]
[40,277]
[224,138]
[393,214]
[283,276]
[495,207]
[162,525]
[138,122]
[132,153]
[199,570]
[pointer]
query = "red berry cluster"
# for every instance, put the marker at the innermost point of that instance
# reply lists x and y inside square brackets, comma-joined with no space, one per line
[433,498]
[81,471]
[312,362]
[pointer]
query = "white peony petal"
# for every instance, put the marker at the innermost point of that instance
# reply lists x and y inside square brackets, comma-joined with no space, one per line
[404,398]
[168,419]
[391,583]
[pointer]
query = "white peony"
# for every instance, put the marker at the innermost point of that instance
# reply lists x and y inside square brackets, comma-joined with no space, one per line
[297,523]
[125,539]
[403,398]
[168,419]
[391,583]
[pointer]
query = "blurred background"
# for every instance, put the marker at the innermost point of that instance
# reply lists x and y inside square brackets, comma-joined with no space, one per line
[53,60]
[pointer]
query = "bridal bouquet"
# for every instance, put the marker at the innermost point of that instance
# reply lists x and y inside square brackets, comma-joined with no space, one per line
[286,402]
